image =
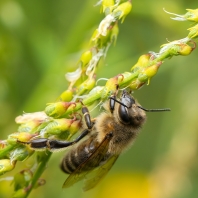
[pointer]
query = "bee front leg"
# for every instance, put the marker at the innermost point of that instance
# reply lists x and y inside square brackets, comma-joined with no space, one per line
[53,145]
[44,143]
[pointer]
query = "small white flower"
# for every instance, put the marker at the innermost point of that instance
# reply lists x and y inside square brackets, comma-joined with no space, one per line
[167,46]
[26,117]
[177,18]
[105,24]
[73,76]
[94,61]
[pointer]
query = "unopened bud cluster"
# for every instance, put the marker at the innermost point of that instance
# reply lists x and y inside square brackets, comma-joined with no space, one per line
[145,71]
[83,79]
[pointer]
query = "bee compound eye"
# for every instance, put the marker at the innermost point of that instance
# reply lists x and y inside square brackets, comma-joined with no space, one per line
[127,99]
[123,114]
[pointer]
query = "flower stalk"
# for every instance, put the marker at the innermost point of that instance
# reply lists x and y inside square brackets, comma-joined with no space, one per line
[62,119]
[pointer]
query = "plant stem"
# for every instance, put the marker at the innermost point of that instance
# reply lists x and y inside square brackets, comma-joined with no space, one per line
[6,150]
[39,171]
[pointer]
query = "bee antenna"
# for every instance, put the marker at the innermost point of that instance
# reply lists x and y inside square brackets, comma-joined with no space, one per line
[154,110]
[118,102]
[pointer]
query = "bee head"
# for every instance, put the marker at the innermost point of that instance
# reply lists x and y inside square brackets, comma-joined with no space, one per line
[129,112]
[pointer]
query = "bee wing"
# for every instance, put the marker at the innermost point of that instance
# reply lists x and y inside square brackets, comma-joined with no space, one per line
[93,160]
[99,173]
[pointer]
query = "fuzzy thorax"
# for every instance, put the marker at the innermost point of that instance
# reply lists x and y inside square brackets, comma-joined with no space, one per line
[123,134]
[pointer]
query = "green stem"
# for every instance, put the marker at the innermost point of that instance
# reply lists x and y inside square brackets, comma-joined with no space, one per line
[128,77]
[6,150]
[162,57]
[39,172]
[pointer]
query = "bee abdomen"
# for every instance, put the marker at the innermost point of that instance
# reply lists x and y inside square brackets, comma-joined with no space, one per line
[75,157]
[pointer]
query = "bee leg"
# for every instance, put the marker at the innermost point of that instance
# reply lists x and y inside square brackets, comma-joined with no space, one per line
[52,145]
[112,100]
[87,117]
[37,144]
[44,143]
[57,144]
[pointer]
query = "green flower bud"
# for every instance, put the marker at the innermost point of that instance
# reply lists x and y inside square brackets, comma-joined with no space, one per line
[58,126]
[152,70]
[29,127]
[114,33]
[107,6]
[136,84]
[123,10]
[175,48]
[86,57]
[193,32]
[57,109]
[102,36]
[192,15]
[185,49]
[21,153]
[103,40]
[22,178]
[142,77]
[142,61]
[111,86]
[87,85]
[74,128]
[66,96]
[95,36]
[180,49]
[11,140]
[6,165]
[72,108]
[21,136]
[147,73]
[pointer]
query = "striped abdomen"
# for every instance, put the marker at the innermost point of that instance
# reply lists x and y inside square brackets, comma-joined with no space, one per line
[76,156]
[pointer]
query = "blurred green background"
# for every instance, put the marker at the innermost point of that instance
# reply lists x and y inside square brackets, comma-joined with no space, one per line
[41,40]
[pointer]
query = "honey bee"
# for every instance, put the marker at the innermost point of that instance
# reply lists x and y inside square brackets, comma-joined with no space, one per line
[101,142]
